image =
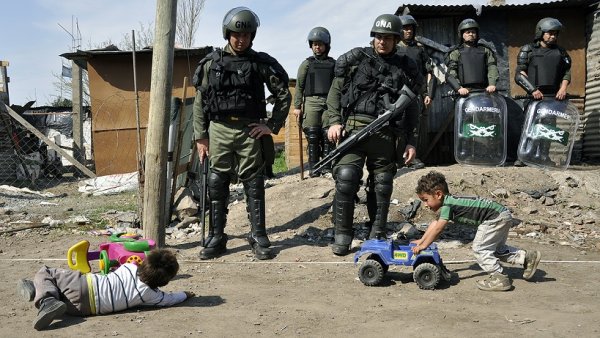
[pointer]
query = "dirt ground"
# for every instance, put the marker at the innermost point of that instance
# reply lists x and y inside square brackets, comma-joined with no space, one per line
[307,291]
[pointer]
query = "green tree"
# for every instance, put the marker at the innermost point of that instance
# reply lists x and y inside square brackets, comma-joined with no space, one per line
[61,102]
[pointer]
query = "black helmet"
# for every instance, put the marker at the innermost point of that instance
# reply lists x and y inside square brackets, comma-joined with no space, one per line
[319,34]
[546,25]
[467,24]
[387,24]
[408,20]
[240,19]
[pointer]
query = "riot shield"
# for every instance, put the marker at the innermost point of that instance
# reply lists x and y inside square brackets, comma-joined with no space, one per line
[548,133]
[480,129]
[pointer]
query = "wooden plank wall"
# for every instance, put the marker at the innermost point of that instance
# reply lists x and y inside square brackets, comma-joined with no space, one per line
[290,136]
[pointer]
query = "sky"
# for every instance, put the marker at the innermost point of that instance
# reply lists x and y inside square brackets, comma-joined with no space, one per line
[36,32]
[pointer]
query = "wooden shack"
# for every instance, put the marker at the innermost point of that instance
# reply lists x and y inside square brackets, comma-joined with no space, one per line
[113,100]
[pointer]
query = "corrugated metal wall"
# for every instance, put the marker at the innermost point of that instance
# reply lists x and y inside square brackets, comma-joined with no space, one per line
[441,30]
[591,116]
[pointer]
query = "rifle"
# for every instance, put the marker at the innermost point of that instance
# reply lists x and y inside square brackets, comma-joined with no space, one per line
[393,110]
[299,121]
[203,199]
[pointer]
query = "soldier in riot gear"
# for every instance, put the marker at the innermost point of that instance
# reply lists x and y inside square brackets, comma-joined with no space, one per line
[416,51]
[544,68]
[364,79]
[315,75]
[470,62]
[229,114]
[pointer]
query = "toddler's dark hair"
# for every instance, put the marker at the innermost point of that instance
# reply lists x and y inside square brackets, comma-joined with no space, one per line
[159,267]
[431,182]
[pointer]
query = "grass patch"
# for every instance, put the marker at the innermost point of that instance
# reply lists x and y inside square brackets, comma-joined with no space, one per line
[279,165]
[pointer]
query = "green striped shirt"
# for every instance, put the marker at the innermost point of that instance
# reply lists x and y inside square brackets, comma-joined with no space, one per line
[469,210]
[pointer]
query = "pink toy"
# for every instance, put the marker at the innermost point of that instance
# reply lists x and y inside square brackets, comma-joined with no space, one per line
[122,248]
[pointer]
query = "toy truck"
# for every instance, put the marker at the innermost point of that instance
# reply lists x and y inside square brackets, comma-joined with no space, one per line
[428,269]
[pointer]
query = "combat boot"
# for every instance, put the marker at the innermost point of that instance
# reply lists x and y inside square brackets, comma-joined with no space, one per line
[346,187]
[218,191]
[216,242]
[382,191]
[314,147]
[255,206]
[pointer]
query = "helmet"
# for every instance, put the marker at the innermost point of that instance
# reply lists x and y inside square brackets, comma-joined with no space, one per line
[240,19]
[319,34]
[408,20]
[467,24]
[387,24]
[545,25]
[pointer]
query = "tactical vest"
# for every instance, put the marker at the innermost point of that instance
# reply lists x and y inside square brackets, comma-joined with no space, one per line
[472,67]
[318,76]
[373,78]
[545,67]
[414,53]
[234,87]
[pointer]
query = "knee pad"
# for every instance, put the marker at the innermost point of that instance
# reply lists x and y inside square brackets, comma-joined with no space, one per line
[313,134]
[218,186]
[384,184]
[347,182]
[255,188]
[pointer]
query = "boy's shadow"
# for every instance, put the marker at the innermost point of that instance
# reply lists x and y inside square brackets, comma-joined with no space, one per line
[514,272]
[196,301]
[65,321]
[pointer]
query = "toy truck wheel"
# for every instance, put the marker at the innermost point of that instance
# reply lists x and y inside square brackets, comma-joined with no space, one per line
[427,276]
[371,272]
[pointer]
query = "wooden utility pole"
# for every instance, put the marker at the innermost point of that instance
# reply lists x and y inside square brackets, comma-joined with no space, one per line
[161,87]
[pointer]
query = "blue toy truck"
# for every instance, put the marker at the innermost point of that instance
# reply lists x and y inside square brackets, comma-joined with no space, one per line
[428,268]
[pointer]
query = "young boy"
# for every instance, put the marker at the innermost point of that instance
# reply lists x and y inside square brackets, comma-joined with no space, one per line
[492,221]
[57,291]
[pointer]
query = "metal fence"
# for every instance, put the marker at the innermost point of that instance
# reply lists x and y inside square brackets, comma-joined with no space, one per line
[27,161]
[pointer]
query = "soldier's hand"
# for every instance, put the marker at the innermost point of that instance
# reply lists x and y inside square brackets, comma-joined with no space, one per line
[334,133]
[537,95]
[561,94]
[427,101]
[202,147]
[463,91]
[490,89]
[258,130]
[297,112]
[410,153]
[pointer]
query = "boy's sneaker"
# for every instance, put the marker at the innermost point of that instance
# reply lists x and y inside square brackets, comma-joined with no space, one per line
[495,282]
[532,259]
[50,308]
[26,289]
